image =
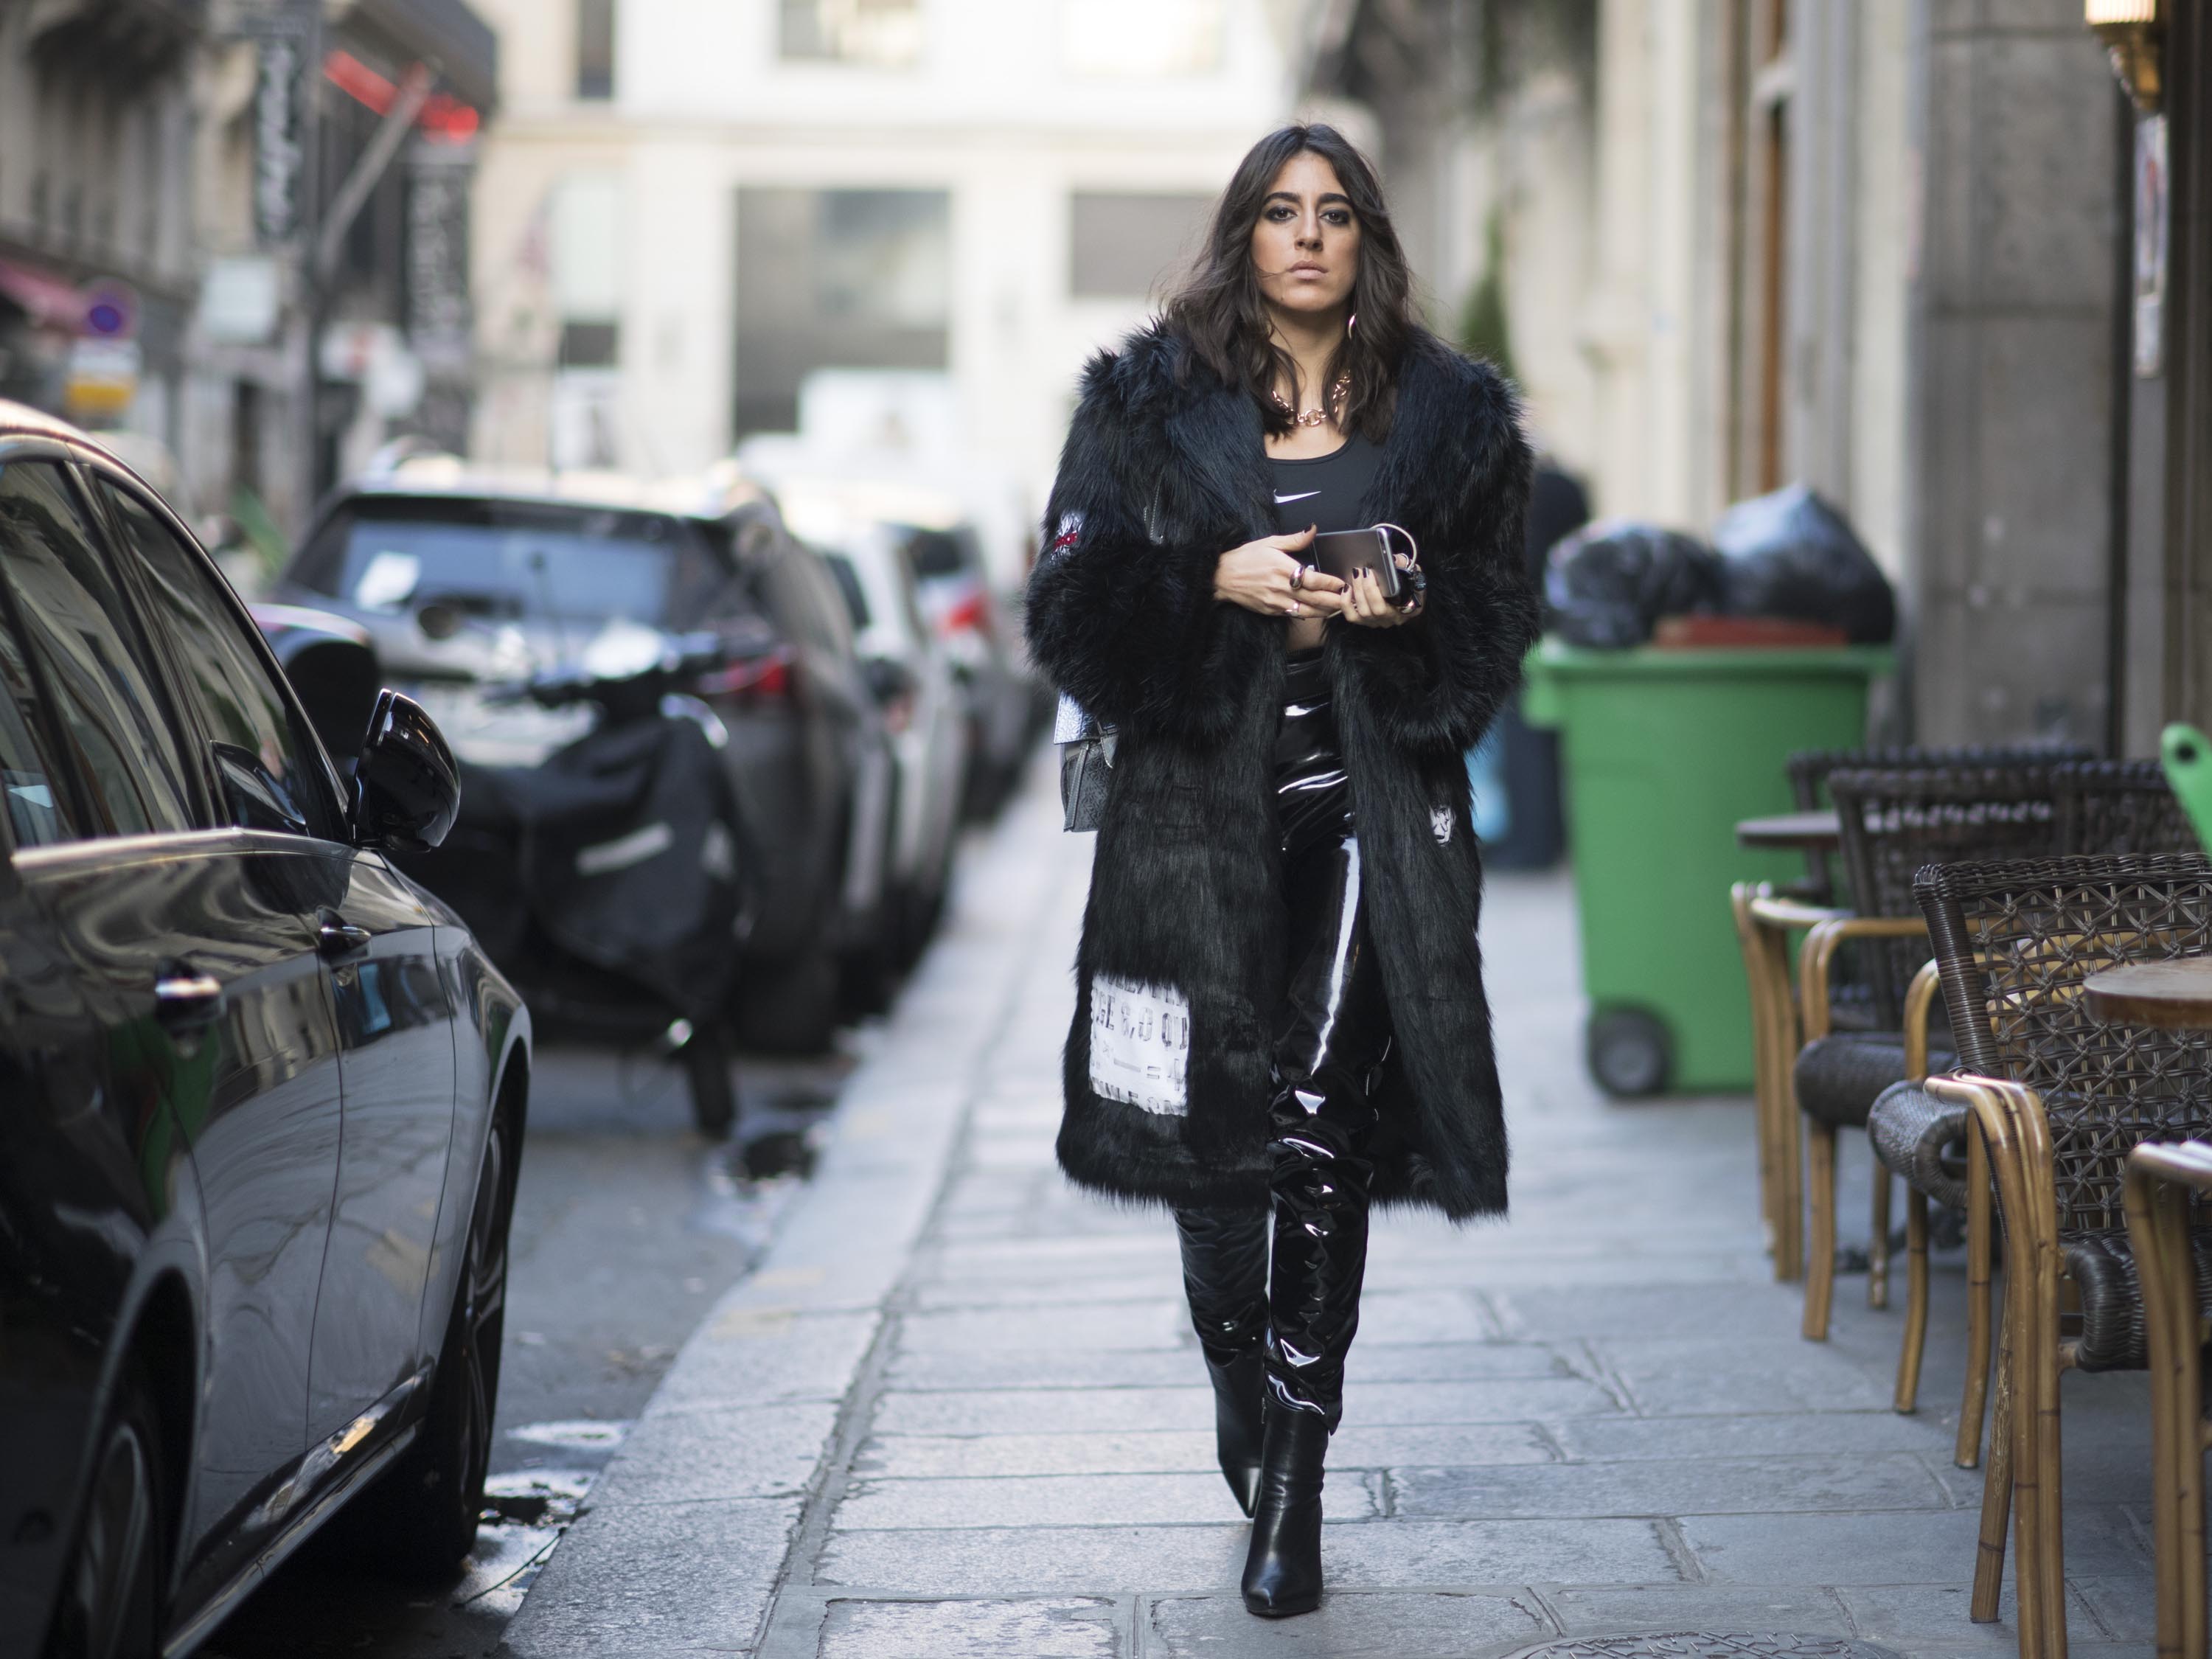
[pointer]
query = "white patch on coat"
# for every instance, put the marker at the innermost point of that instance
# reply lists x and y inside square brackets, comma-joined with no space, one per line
[1139,1044]
[1440,823]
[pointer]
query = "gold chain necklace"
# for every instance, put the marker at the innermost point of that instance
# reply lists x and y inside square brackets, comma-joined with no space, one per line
[1315,416]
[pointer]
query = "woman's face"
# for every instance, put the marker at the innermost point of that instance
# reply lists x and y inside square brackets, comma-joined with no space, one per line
[1305,249]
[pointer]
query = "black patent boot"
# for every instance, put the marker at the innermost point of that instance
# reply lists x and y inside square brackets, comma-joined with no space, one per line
[1282,1572]
[1225,1272]
[1238,1390]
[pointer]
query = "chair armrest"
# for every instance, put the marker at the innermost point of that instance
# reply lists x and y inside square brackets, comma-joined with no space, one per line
[1818,954]
[1793,913]
[2016,1132]
[1919,998]
[1923,1139]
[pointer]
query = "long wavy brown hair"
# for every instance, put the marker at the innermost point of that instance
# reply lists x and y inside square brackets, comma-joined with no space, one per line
[1219,308]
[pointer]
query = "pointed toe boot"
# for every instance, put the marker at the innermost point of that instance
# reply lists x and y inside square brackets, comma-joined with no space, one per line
[1282,1572]
[1238,1386]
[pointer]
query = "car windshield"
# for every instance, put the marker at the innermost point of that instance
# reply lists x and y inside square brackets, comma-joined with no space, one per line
[512,559]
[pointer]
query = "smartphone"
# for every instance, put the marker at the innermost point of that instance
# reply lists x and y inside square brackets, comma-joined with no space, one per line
[1345,553]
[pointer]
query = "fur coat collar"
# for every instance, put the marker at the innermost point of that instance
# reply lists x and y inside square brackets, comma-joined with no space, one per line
[1164,469]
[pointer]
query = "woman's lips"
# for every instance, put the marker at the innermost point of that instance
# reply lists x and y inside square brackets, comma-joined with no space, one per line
[1307,270]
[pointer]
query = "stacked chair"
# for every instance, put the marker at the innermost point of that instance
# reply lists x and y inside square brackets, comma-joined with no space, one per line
[1823,1053]
[2099,807]
[1849,1000]
[2023,874]
[2059,1100]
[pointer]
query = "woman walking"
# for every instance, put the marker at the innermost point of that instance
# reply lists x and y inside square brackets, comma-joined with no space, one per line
[1280,1018]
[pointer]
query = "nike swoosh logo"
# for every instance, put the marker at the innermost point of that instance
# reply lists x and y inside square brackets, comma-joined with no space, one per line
[1284,500]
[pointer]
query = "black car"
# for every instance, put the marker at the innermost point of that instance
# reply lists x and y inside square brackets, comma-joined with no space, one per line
[261,1097]
[473,583]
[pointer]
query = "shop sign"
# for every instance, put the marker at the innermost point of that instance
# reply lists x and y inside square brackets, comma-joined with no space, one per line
[2150,210]
[281,92]
[437,258]
[100,379]
[239,301]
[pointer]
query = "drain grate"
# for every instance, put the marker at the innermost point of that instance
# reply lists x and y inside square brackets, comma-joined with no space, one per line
[1706,1644]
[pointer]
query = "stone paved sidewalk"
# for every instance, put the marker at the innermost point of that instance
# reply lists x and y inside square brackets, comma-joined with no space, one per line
[960,1411]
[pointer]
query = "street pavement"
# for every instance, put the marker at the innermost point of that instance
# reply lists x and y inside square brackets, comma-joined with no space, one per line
[957,1409]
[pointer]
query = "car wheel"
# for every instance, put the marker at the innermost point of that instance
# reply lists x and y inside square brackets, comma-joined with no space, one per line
[419,1519]
[705,1062]
[789,1007]
[110,1605]
[867,976]
[922,909]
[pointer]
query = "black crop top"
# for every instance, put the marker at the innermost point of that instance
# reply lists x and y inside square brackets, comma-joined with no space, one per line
[1325,491]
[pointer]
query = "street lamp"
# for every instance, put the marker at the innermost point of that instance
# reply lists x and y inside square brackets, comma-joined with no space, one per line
[2133,32]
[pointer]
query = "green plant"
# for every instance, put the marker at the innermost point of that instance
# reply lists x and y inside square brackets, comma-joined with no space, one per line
[1485,328]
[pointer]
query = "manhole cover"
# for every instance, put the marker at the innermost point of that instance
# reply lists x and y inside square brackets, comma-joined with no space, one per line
[1706,1644]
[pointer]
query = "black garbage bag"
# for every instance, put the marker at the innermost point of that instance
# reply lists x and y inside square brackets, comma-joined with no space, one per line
[1791,555]
[1611,581]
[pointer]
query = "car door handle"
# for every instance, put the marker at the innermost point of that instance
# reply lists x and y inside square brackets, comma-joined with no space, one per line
[182,997]
[336,936]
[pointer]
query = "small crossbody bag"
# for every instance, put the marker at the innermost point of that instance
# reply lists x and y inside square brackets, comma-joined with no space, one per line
[1086,764]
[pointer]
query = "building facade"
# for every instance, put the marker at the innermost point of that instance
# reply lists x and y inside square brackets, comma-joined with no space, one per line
[688,213]
[233,233]
[1904,250]
[97,274]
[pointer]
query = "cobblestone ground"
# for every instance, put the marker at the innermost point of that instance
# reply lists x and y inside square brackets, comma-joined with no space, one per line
[960,1411]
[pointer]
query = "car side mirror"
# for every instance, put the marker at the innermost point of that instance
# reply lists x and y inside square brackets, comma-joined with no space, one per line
[888,678]
[406,784]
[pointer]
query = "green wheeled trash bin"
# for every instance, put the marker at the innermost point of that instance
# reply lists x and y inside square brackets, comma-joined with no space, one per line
[1664,752]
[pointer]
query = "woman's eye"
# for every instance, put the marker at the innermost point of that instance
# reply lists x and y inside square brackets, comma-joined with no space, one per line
[1338,216]
[1279,213]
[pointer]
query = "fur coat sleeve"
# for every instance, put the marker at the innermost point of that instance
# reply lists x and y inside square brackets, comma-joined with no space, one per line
[1435,685]
[1121,615]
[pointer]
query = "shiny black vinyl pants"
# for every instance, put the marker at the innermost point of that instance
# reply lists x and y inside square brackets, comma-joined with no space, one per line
[1331,1039]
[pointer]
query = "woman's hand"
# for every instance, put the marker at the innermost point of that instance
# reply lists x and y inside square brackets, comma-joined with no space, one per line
[1266,577]
[1364,604]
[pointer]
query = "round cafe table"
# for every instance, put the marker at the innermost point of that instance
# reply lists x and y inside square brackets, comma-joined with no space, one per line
[1811,832]
[2173,996]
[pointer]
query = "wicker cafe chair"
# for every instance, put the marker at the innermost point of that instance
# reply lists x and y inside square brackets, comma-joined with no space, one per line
[2101,807]
[2058,1100]
[2162,1197]
[1810,769]
[1765,919]
[2120,806]
[1894,822]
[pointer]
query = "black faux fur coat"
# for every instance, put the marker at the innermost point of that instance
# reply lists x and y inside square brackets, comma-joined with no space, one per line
[1163,471]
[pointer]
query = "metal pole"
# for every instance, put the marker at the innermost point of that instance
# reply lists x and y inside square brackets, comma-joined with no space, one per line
[353,195]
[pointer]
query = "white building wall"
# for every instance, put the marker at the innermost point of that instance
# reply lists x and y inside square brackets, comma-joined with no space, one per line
[992,113]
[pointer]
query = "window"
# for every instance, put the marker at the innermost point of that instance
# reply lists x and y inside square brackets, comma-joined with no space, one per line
[1121,245]
[512,560]
[837,279]
[587,290]
[595,48]
[1762,73]
[1142,38]
[849,584]
[880,33]
[83,651]
[39,809]
[268,772]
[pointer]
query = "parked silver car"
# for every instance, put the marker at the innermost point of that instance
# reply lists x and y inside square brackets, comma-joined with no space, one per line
[909,667]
